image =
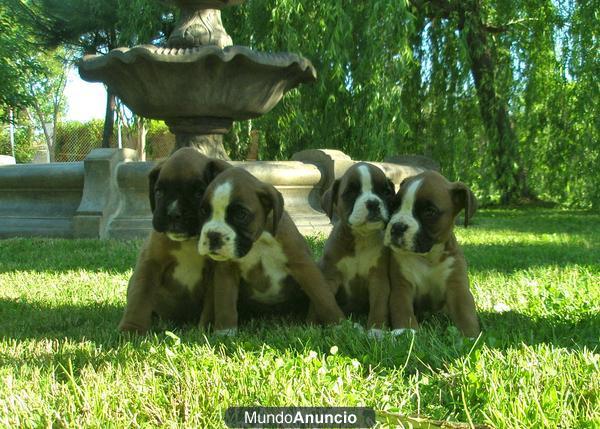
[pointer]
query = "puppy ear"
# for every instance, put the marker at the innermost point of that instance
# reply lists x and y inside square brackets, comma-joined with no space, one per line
[152,178]
[329,198]
[213,168]
[390,191]
[272,200]
[463,198]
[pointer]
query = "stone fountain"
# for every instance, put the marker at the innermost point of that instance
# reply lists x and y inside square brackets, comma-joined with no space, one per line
[200,82]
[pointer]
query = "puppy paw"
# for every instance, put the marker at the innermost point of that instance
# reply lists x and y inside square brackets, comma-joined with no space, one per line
[230,332]
[132,327]
[358,326]
[375,333]
[400,331]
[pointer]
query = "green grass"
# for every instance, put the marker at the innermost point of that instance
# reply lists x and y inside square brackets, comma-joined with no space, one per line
[535,275]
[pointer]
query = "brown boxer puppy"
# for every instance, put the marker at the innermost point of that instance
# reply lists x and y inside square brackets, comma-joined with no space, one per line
[170,278]
[261,255]
[428,271]
[355,260]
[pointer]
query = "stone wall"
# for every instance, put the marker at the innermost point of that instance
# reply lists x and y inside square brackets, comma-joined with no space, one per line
[106,195]
[40,199]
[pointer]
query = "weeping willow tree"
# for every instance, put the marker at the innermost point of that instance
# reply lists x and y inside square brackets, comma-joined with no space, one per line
[503,94]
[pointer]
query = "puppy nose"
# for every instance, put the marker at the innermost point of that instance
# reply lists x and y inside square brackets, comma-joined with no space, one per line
[399,228]
[372,205]
[215,241]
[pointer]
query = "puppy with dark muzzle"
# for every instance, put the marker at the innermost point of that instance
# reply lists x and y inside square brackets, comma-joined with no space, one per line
[355,260]
[428,271]
[261,256]
[170,278]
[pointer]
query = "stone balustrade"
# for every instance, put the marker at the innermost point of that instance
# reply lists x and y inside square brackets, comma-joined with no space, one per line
[40,199]
[106,195]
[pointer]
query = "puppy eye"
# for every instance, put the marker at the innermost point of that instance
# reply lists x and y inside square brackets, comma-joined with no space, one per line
[430,212]
[352,188]
[241,215]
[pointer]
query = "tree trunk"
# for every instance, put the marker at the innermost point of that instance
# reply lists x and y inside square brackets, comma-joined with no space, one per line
[511,177]
[142,131]
[492,106]
[109,119]
[48,136]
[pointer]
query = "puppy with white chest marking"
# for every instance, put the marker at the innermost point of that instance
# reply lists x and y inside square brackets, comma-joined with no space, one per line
[428,271]
[170,279]
[355,260]
[261,256]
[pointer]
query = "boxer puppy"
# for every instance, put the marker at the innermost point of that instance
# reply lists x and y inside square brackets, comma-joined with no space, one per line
[428,271]
[170,278]
[355,261]
[260,253]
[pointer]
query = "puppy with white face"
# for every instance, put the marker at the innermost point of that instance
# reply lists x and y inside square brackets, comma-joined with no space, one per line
[260,255]
[170,278]
[428,271]
[355,260]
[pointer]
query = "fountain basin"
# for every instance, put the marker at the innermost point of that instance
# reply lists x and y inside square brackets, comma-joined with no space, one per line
[233,83]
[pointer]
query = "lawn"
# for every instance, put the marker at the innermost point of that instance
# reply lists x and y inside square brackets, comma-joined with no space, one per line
[535,275]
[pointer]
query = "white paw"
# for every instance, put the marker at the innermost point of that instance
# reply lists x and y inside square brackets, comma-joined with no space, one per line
[400,331]
[231,332]
[375,333]
[358,326]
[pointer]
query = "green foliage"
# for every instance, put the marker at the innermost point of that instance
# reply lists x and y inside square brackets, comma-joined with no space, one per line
[159,140]
[92,25]
[18,61]
[74,139]
[393,80]
[26,143]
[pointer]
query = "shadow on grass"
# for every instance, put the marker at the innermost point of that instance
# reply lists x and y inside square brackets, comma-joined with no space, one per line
[60,255]
[437,344]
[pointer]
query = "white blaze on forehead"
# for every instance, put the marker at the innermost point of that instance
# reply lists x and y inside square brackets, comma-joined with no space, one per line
[408,201]
[219,202]
[405,216]
[360,211]
[365,179]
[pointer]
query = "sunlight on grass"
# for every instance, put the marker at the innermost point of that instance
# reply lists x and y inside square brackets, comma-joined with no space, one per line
[535,274]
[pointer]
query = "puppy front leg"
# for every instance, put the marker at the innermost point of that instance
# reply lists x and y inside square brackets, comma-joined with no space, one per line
[140,300]
[401,302]
[379,300]
[460,304]
[332,279]
[208,307]
[322,298]
[226,291]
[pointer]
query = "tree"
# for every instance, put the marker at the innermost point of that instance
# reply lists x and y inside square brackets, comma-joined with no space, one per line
[47,96]
[33,80]
[17,62]
[504,94]
[93,27]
